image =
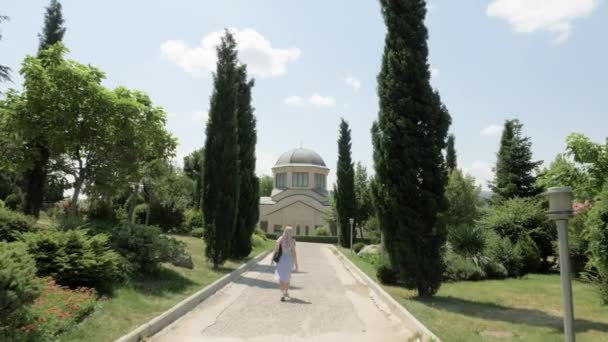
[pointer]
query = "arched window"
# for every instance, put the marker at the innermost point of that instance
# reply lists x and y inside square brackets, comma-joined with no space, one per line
[306,230]
[298,230]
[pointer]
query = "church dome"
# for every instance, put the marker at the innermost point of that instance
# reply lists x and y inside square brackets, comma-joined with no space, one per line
[300,156]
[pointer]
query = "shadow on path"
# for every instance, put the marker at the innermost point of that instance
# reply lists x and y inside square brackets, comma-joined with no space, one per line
[296,301]
[495,312]
[162,282]
[261,283]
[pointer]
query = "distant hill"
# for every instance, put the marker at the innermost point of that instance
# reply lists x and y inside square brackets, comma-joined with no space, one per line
[486,194]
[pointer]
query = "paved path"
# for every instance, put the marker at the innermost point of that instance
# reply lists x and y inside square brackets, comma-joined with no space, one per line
[328,304]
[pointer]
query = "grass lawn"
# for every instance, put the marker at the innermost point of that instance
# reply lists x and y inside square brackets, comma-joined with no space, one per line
[525,309]
[145,299]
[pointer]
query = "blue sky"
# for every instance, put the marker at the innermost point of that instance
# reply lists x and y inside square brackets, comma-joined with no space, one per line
[542,61]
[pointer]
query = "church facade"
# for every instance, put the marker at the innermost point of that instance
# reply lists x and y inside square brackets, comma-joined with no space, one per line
[299,198]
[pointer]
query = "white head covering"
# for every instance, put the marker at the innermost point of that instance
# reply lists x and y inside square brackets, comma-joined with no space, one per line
[287,240]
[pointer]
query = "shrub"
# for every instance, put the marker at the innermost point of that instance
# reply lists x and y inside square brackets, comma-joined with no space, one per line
[145,247]
[357,247]
[259,232]
[18,285]
[2,205]
[13,223]
[197,232]
[458,267]
[530,255]
[57,310]
[597,228]
[578,242]
[495,270]
[517,216]
[386,274]
[322,231]
[169,218]
[502,251]
[193,218]
[13,202]
[140,212]
[75,258]
[257,241]
[466,240]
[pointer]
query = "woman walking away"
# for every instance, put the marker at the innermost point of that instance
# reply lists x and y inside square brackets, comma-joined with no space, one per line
[285,257]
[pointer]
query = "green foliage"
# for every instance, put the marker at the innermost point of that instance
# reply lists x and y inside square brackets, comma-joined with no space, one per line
[466,240]
[502,250]
[13,202]
[258,231]
[249,185]
[514,166]
[193,218]
[322,231]
[518,216]
[4,70]
[193,168]
[53,29]
[578,242]
[563,172]
[13,223]
[463,199]
[75,258]
[221,171]
[593,158]
[197,232]
[257,241]
[365,208]
[530,255]
[266,185]
[145,247]
[597,228]
[459,267]
[409,138]
[18,285]
[344,191]
[450,155]
[357,247]
[387,275]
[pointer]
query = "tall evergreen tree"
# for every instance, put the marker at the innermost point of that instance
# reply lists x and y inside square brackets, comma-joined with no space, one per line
[515,170]
[409,137]
[221,166]
[364,200]
[346,199]
[36,176]
[4,70]
[450,157]
[249,188]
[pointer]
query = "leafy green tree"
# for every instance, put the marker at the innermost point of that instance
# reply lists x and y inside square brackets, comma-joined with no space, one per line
[597,229]
[463,199]
[346,199]
[36,174]
[266,185]
[563,172]
[221,167]
[515,170]
[450,157]
[409,138]
[4,70]
[364,198]
[593,158]
[193,167]
[249,187]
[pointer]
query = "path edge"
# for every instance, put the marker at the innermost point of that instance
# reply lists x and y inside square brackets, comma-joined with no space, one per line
[397,308]
[165,319]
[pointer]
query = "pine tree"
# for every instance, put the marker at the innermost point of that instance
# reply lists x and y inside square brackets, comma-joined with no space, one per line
[515,170]
[409,137]
[346,200]
[249,189]
[364,200]
[36,176]
[450,158]
[221,166]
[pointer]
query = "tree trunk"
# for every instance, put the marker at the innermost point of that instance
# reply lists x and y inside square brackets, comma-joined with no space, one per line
[77,189]
[148,214]
[361,231]
[36,182]
[133,203]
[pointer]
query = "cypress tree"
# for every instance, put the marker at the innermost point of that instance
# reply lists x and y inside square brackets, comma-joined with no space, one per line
[249,189]
[409,137]
[346,200]
[221,166]
[450,157]
[36,176]
[515,170]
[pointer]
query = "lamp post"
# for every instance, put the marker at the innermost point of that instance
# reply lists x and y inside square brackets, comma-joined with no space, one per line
[560,209]
[351,221]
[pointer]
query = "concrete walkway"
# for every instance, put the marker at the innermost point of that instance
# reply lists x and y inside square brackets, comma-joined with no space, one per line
[328,304]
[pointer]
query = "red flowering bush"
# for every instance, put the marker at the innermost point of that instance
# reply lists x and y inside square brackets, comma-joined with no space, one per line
[56,310]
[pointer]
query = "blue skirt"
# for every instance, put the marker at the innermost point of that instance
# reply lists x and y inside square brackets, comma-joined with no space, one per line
[282,272]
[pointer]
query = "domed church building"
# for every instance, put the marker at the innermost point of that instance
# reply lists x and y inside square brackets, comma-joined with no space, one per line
[299,198]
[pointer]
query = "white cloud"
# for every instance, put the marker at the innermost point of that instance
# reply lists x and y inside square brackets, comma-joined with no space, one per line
[353,82]
[554,16]
[491,130]
[262,59]
[322,101]
[296,101]
[264,162]
[482,171]
[200,116]
[435,72]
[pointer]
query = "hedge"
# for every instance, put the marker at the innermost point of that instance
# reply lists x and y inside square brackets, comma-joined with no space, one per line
[320,239]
